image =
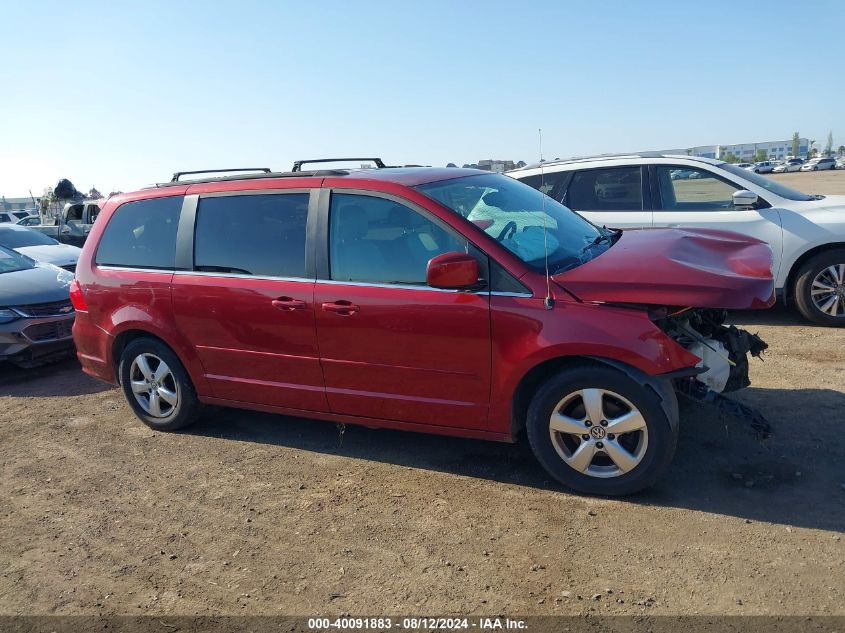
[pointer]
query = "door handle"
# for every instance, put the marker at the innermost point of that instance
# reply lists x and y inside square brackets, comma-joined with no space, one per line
[288,304]
[341,307]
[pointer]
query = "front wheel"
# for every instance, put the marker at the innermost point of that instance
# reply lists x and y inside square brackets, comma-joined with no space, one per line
[599,432]
[157,386]
[820,288]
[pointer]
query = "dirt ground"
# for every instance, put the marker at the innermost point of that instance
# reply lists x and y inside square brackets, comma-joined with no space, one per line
[249,513]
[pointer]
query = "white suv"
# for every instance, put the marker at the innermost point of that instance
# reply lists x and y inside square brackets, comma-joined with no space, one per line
[806,232]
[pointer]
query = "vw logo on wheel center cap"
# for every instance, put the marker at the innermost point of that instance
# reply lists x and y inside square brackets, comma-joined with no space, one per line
[598,432]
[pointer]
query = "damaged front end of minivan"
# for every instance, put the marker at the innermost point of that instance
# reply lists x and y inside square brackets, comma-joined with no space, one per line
[687,280]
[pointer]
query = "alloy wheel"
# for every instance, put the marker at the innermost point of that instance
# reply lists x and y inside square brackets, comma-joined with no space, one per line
[598,433]
[828,290]
[153,385]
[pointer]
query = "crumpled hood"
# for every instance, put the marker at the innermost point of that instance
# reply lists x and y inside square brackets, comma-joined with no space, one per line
[677,267]
[58,254]
[43,284]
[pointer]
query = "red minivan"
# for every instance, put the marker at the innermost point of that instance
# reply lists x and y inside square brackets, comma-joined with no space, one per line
[449,301]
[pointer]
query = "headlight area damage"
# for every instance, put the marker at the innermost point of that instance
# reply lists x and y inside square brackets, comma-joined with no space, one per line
[723,350]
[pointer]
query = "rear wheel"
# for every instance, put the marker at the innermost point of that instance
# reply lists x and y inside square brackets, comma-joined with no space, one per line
[820,288]
[157,386]
[598,431]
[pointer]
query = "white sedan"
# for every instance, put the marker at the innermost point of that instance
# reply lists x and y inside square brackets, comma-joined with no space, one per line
[805,231]
[38,246]
[793,164]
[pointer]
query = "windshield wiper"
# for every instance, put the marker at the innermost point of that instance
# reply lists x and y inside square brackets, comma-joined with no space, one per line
[610,237]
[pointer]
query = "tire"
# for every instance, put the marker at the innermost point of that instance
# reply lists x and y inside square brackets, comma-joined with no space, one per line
[653,446]
[825,269]
[167,400]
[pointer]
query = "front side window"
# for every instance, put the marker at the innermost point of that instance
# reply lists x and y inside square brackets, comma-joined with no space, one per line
[531,225]
[142,234]
[613,189]
[693,189]
[252,234]
[380,241]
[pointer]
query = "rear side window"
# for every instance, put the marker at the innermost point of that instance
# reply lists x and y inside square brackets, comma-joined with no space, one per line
[142,234]
[252,235]
[616,189]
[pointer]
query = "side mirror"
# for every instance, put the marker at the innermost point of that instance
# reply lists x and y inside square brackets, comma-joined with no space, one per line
[452,270]
[744,199]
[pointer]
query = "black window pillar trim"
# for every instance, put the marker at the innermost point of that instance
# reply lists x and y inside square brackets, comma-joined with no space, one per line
[185,233]
[646,187]
[317,249]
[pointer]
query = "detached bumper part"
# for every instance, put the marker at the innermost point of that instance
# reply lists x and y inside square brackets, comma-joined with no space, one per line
[699,392]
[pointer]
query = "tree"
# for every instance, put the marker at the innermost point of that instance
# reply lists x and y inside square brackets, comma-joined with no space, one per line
[841,150]
[730,157]
[760,155]
[796,142]
[828,148]
[810,150]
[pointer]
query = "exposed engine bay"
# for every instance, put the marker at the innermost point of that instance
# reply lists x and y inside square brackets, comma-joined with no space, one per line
[723,349]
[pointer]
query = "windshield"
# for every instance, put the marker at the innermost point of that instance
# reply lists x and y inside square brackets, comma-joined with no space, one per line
[766,183]
[11,262]
[17,238]
[525,221]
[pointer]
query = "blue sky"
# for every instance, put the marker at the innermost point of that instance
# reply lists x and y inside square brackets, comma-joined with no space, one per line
[119,94]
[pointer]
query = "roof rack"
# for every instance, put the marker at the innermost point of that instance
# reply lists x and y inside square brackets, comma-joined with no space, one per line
[254,176]
[179,174]
[297,166]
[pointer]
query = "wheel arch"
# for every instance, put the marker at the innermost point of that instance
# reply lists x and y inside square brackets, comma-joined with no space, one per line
[531,381]
[788,286]
[135,331]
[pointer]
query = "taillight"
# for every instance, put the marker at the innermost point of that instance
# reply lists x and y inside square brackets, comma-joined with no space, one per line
[77,299]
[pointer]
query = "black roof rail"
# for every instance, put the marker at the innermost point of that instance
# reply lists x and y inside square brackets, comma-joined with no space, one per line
[259,175]
[297,166]
[179,174]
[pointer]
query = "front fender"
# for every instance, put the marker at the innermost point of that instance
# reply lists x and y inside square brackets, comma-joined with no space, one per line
[525,338]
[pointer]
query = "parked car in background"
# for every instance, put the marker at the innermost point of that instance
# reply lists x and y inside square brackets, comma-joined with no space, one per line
[36,315]
[840,163]
[793,164]
[39,247]
[806,232]
[416,298]
[73,224]
[819,164]
[31,220]
[13,216]
[763,167]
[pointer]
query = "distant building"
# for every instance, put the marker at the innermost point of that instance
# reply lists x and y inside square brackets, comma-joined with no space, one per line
[18,204]
[497,166]
[746,152]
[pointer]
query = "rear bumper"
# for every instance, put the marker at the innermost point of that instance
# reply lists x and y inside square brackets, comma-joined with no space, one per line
[93,348]
[30,341]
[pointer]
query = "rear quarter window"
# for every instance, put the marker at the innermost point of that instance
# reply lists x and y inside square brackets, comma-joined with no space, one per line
[141,234]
